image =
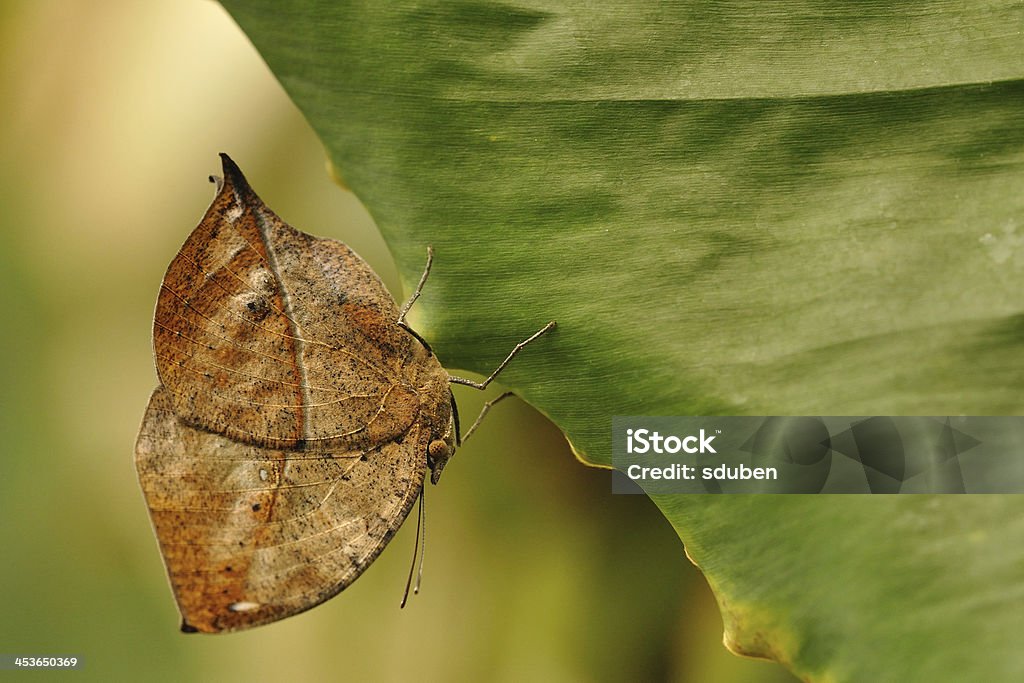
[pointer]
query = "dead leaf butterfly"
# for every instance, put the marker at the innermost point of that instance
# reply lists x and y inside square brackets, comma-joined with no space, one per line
[296,417]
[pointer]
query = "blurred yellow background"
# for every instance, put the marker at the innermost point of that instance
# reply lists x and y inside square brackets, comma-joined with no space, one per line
[113,116]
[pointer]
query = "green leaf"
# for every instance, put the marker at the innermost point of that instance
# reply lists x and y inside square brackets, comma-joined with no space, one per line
[730,208]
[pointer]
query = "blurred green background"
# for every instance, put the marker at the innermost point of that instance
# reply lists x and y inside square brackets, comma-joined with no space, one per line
[114,113]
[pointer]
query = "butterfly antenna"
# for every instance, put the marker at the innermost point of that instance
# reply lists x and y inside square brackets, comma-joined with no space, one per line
[415,552]
[423,537]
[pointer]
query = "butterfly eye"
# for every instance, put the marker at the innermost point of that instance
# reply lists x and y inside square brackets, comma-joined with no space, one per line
[438,454]
[438,451]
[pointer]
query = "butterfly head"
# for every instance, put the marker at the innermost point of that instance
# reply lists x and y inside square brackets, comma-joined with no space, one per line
[439,452]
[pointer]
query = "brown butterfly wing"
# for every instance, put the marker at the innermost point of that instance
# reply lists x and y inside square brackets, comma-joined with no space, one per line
[251,534]
[267,334]
[288,440]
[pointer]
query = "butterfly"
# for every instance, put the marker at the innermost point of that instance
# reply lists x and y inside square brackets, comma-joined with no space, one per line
[296,419]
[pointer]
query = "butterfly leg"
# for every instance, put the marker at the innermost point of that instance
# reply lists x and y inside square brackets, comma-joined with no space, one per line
[519,347]
[412,299]
[483,385]
[483,411]
[419,289]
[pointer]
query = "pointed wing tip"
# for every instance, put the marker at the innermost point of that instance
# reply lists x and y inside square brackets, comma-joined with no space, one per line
[232,174]
[228,163]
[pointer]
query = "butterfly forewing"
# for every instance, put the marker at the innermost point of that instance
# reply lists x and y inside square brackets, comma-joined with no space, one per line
[269,335]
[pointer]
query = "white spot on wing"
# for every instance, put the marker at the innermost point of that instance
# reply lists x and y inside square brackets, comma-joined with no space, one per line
[244,606]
